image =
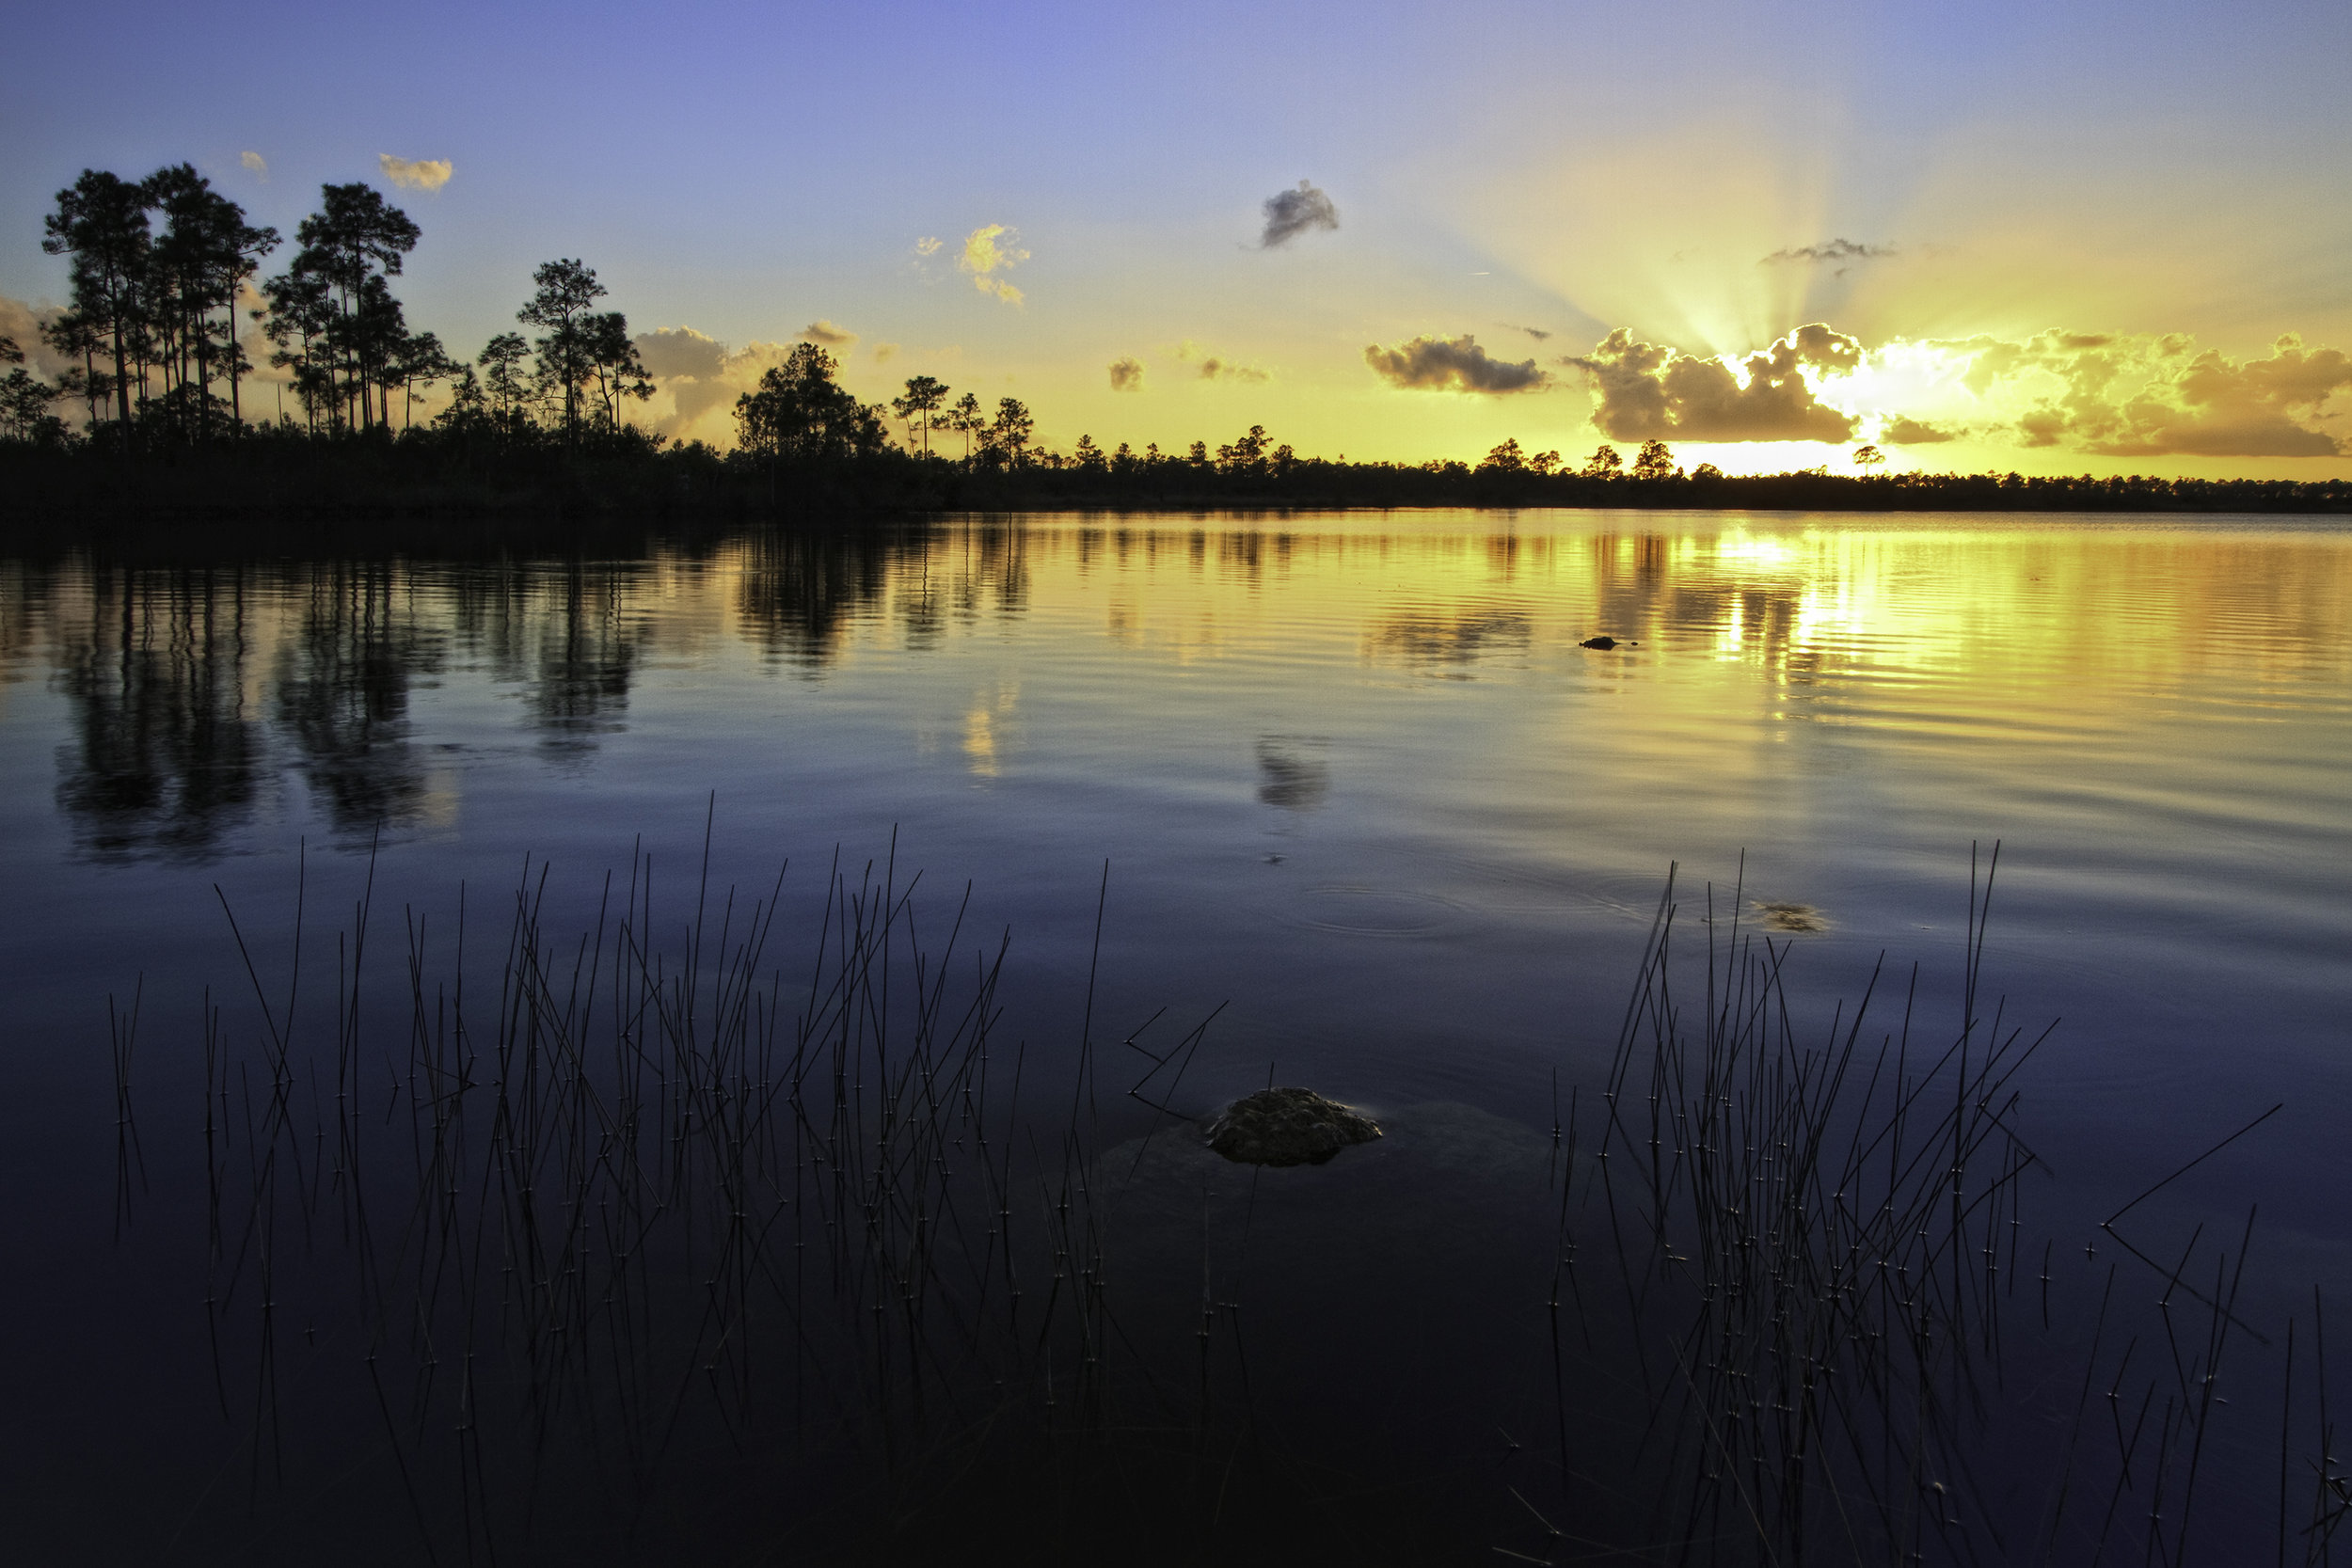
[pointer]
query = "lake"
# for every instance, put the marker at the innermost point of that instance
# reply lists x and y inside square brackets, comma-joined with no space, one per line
[1353,783]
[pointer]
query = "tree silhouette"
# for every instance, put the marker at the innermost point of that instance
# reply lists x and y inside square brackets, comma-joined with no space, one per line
[1867,457]
[1504,459]
[965,420]
[801,414]
[351,244]
[614,359]
[566,354]
[924,394]
[1008,437]
[1654,461]
[101,221]
[1605,463]
[501,363]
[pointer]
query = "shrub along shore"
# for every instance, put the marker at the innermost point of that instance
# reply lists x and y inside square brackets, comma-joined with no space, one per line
[282,475]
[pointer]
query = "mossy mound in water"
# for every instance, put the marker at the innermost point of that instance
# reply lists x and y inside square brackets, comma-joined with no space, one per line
[1287,1127]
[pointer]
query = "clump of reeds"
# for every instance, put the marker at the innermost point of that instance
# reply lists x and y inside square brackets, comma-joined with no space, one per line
[625,1199]
[1816,1242]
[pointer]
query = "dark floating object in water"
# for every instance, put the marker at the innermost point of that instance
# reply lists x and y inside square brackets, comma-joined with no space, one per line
[1792,917]
[1605,642]
[1287,1127]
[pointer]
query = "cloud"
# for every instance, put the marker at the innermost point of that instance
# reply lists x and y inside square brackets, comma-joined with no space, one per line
[255,162]
[2121,395]
[1535,332]
[22,324]
[1453,364]
[697,379]
[680,351]
[1291,214]
[1829,250]
[420,174]
[1215,367]
[885,352]
[988,251]
[926,245]
[1127,375]
[1908,432]
[1648,392]
[826,334]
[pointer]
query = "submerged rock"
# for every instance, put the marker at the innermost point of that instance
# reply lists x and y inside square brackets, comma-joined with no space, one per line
[1602,642]
[1287,1127]
[1792,917]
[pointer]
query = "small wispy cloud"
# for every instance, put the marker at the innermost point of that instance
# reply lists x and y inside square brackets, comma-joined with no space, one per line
[1127,375]
[827,334]
[1829,250]
[256,163]
[1291,214]
[885,352]
[415,174]
[1453,365]
[989,250]
[928,246]
[1539,334]
[1215,367]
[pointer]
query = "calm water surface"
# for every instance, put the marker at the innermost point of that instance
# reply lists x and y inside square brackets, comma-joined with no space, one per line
[1352,773]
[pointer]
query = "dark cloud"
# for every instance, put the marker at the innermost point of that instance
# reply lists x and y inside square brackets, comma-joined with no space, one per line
[1453,365]
[1537,333]
[1127,375]
[1829,250]
[1291,214]
[1648,392]
[1911,433]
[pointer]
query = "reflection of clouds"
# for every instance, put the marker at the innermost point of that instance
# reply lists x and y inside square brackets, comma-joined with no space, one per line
[1435,637]
[1290,778]
[983,724]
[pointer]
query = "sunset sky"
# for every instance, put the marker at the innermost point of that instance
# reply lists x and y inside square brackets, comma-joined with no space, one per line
[2052,237]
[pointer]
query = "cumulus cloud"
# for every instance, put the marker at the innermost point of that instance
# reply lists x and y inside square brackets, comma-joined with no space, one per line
[1453,364]
[419,174]
[1127,375]
[20,322]
[988,251]
[1829,250]
[697,379]
[256,163]
[1291,214]
[2125,395]
[680,351]
[825,334]
[1648,392]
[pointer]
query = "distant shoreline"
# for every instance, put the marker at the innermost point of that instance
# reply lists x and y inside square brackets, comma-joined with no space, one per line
[46,494]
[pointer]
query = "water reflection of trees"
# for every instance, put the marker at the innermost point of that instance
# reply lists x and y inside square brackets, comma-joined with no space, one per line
[164,754]
[342,689]
[1447,639]
[801,593]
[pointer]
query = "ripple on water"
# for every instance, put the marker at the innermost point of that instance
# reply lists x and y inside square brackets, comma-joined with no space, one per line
[1350,910]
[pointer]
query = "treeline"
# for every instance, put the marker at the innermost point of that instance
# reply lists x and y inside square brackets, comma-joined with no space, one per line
[163,303]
